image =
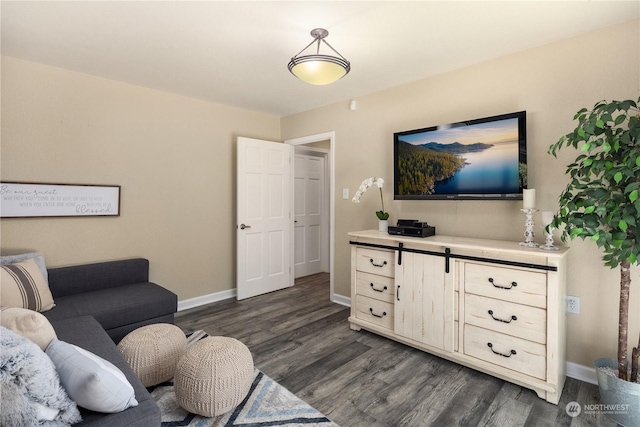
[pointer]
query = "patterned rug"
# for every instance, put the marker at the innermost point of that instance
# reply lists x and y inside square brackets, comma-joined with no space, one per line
[267,404]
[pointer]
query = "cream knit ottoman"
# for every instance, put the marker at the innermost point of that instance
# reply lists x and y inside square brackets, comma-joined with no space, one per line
[153,351]
[213,376]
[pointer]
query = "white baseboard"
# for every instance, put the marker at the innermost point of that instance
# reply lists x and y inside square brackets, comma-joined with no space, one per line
[341,299]
[206,299]
[581,372]
[231,293]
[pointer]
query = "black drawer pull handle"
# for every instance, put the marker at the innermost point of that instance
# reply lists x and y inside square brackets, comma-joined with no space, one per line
[513,352]
[384,313]
[398,294]
[513,284]
[377,265]
[502,320]
[378,290]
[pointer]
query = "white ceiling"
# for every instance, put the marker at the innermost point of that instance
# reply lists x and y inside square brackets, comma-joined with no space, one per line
[236,52]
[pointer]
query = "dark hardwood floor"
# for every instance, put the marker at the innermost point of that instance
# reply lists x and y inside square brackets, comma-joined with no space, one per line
[303,341]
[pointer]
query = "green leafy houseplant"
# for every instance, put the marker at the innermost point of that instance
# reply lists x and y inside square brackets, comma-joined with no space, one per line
[602,200]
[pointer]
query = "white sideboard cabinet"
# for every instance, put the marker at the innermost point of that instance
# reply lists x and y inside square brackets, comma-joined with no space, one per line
[493,306]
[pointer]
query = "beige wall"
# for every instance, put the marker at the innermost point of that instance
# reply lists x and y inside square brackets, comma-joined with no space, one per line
[173,156]
[551,83]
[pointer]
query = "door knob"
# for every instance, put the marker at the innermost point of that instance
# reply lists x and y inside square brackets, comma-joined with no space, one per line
[242,226]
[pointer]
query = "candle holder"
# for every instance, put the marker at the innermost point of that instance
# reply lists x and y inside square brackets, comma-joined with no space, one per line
[528,229]
[548,242]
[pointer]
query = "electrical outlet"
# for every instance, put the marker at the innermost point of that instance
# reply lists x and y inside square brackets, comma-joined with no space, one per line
[573,305]
[345,193]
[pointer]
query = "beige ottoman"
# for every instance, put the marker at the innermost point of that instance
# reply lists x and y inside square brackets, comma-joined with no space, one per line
[213,376]
[153,351]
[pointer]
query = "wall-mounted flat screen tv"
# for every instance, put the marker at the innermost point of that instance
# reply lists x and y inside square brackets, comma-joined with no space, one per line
[481,159]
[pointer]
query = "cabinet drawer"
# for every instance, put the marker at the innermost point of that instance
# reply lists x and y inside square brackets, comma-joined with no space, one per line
[375,261]
[509,352]
[519,286]
[519,320]
[374,286]
[374,311]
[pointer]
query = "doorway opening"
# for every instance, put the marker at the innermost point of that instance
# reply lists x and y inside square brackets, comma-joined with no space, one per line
[313,186]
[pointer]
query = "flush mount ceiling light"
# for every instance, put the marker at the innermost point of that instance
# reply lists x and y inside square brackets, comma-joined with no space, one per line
[317,69]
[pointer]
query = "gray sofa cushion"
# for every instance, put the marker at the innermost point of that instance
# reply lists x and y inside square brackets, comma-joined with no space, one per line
[114,307]
[87,333]
[95,276]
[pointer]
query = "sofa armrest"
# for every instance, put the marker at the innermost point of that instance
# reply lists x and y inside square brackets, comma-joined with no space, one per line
[95,276]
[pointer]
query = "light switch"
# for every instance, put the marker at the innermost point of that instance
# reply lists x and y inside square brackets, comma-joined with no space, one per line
[345,193]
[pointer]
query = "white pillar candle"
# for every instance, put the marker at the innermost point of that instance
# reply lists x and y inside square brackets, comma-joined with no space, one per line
[547,217]
[529,198]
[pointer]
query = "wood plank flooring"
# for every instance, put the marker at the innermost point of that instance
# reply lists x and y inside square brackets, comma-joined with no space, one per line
[303,341]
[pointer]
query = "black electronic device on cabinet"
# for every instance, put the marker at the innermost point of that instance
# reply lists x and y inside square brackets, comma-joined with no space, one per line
[412,227]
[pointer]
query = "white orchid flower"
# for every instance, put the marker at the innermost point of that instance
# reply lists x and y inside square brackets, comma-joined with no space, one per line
[379,182]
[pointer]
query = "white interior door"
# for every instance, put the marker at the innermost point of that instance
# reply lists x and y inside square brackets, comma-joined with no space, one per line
[263,233]
[309,172]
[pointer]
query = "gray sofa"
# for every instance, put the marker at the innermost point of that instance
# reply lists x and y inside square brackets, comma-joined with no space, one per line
[96,306]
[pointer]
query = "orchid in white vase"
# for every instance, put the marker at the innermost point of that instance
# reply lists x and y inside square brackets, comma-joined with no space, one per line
[379,182]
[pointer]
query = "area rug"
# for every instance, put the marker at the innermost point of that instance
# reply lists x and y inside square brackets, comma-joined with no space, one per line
[267,404]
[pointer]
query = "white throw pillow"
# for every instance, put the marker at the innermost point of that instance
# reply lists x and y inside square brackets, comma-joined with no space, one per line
[28,323]
[94,383]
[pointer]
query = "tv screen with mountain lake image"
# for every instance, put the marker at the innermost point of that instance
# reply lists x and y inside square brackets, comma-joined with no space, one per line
[477,159]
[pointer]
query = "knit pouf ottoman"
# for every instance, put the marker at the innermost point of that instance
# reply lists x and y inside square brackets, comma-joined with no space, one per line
[213,376]
[153,351]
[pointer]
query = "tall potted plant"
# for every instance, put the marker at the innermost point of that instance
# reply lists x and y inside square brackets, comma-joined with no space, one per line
[602,203]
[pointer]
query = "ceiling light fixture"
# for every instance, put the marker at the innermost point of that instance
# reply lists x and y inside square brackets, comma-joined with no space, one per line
[317,69]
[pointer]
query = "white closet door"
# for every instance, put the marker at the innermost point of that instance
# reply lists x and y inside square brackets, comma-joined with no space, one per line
[309,187]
